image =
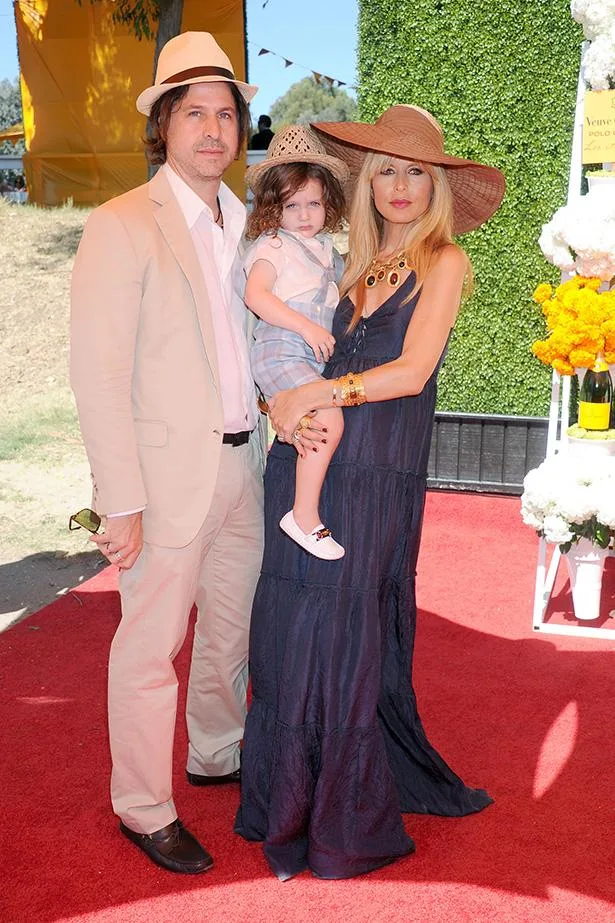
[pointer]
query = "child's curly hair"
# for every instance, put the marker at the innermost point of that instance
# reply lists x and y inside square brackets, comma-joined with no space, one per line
[280,183]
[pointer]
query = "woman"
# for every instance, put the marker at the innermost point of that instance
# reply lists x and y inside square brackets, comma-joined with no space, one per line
[334,750]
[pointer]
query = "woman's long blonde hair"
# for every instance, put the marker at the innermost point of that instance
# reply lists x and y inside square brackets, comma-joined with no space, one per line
[421,241]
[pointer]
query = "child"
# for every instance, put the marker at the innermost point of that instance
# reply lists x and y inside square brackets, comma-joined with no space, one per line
[292,270]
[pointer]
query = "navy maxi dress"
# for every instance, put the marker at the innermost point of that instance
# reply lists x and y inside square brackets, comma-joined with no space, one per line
[334,750]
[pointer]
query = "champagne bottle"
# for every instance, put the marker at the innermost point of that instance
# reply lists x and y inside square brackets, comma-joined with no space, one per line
[596,396]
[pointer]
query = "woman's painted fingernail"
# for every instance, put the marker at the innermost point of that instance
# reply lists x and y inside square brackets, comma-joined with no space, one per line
[314,449]
[325,430]
[324,441]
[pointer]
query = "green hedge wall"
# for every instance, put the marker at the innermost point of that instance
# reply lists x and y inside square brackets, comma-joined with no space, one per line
[500,76]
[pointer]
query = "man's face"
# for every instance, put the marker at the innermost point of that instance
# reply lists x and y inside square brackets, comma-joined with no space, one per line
[203,133]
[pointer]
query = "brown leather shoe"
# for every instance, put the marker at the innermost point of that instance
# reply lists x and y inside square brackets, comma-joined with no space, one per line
[173,847]
[195,779]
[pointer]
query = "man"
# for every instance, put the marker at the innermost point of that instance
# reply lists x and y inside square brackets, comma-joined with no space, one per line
[167,406]
[261,140]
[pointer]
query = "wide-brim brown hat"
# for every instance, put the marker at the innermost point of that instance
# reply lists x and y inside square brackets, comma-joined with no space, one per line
[192,57]
[296,144]
[411,133]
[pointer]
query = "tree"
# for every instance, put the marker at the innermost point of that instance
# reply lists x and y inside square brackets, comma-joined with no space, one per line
[159,19]
[10,113]
[306,101]
[10,103]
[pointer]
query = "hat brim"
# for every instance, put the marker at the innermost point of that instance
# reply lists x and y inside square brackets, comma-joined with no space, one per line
[148,97]
[477,189]
[335,165]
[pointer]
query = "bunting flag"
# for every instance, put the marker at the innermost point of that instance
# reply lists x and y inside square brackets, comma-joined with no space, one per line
[320,79]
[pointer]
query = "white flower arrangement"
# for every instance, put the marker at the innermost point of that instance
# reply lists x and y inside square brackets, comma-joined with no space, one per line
[570,497]
[597,18]
[580,237]
[598,64]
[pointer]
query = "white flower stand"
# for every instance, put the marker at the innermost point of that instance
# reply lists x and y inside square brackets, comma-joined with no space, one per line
[557,439]
[586,583]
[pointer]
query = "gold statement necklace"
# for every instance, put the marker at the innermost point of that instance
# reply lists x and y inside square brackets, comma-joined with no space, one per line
[389,270]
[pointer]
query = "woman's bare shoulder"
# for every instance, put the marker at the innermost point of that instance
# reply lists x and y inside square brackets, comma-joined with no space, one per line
[451,257]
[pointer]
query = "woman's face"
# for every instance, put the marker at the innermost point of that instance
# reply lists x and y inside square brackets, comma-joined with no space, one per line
[402,191]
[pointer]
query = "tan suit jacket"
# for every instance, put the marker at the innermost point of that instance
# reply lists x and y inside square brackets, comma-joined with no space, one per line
[143,364]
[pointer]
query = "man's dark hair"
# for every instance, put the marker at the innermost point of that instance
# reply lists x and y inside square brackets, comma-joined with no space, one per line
[264,121]
[155,141]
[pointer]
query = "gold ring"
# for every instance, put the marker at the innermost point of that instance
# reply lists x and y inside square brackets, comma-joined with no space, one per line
[304,422]
[296,434]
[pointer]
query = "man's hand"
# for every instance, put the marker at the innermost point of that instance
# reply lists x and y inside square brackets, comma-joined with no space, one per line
[122,540]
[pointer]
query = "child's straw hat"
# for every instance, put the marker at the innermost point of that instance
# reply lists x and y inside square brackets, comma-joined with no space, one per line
[296,144]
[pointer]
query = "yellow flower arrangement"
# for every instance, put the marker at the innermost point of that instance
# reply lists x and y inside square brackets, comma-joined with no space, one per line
[581,324]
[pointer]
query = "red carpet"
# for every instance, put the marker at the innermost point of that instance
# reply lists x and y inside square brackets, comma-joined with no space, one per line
[526,715]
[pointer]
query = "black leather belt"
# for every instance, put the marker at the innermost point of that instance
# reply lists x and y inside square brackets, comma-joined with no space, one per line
[236,439]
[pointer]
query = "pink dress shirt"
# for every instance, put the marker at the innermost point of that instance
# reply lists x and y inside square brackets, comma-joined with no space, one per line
[222,271]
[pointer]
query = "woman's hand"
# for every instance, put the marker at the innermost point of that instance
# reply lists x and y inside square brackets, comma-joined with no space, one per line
[286,410]
[320,340]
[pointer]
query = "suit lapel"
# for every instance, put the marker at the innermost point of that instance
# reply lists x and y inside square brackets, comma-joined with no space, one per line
[173,227]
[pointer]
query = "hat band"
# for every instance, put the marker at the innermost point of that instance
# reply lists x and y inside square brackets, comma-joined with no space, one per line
[205,71]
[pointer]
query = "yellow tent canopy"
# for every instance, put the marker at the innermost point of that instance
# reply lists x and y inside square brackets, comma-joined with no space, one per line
[80,76]
[12,133]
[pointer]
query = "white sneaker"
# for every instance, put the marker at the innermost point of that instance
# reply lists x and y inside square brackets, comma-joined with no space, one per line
[318,542]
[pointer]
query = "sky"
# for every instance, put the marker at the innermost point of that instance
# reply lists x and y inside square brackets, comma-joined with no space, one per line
[314,42]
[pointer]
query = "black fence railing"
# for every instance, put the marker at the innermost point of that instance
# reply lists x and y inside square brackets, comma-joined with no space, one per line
[490,453]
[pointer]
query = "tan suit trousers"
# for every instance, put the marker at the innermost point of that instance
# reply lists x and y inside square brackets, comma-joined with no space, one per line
[218,570]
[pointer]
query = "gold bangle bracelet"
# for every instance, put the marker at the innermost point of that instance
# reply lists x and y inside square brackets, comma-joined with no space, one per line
[352,390]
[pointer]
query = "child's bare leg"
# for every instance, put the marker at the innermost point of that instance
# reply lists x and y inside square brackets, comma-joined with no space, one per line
[311,470]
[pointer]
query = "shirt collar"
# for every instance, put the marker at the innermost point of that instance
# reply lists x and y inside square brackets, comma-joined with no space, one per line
[193,206]
[321,243]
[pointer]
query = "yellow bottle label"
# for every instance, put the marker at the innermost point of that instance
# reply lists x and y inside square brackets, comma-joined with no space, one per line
[594,416]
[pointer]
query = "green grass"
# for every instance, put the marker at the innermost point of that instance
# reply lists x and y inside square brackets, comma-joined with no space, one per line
[48,424]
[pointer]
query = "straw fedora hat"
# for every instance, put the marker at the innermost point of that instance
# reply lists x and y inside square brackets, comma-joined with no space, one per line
[192,57]
[412,133]
[296,144]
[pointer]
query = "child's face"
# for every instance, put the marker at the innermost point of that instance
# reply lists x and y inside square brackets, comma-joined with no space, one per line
[304,212]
